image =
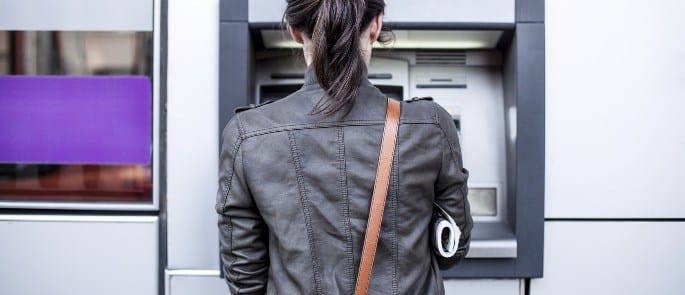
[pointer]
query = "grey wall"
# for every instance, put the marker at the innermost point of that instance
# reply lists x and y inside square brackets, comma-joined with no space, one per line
[612,257]
[81,15]
[78,254]
[616,130]
[193,144]
[615,148]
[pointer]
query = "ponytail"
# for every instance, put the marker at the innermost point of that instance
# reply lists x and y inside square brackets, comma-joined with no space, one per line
[335,27]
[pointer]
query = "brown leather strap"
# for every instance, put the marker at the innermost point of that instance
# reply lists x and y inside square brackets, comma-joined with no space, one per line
[380,192]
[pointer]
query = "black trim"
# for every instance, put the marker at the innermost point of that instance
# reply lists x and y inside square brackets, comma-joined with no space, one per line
[467,26]
[505,40]
[235,58]
[530,147]
[84,212]
[162,187]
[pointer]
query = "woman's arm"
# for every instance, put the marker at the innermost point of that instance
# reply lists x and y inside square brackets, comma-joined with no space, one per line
[243,240]
[451,188]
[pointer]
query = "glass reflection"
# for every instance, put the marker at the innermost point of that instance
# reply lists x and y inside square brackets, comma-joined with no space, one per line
[71,53]
[75,53]
[132,183]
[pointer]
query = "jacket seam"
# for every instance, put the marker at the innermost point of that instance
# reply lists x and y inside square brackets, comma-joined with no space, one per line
[394,203]
[300,126]
[435,114]
[304,200]
[239,150]
[293,127]
[228,184]
[454,160]
[449,143]
[342,183]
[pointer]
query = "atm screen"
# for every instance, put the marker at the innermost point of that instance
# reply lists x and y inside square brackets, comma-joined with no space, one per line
[268,92]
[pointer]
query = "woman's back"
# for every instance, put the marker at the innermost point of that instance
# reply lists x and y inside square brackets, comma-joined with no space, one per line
[296,176]
[296,190]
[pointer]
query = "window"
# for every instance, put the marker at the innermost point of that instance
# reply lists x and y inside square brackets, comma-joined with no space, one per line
[76,116]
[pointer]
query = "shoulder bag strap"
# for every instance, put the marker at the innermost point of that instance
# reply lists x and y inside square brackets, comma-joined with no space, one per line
[380,192]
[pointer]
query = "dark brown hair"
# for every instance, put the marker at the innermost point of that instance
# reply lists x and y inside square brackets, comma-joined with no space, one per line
[335,26]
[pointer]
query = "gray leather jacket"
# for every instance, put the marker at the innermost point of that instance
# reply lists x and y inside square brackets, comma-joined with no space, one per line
[295,189]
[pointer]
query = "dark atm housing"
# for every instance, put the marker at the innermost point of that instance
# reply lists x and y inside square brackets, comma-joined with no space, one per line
[274,92]
[493,86]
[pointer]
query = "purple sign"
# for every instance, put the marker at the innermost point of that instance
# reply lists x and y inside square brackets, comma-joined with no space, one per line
[75,120]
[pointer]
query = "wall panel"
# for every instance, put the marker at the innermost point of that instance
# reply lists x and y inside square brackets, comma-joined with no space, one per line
[78,254]
[192,140]
[612,258]
[615,129]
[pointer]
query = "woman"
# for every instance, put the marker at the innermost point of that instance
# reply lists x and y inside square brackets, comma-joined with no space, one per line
[296,175]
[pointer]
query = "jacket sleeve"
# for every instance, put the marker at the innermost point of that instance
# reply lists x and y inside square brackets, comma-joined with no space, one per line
[242,231]
[451,187]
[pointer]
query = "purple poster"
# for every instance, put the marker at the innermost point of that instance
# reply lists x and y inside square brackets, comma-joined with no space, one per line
[75,120]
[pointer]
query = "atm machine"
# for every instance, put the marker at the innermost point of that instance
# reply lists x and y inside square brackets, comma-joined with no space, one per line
[467,83]
[482,63]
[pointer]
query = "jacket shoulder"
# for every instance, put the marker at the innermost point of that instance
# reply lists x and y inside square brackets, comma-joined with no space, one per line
[274,113]
[251,106]
[420,110]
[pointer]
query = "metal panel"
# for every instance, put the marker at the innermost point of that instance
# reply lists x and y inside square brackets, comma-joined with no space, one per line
[527,53]
[76,15]
[615,125]
[235,69]
[530,147]
[67,254]
[483,287]
[233,10]
[612,258]
[191,135]
[191,282]
[410,11]
[530,10]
